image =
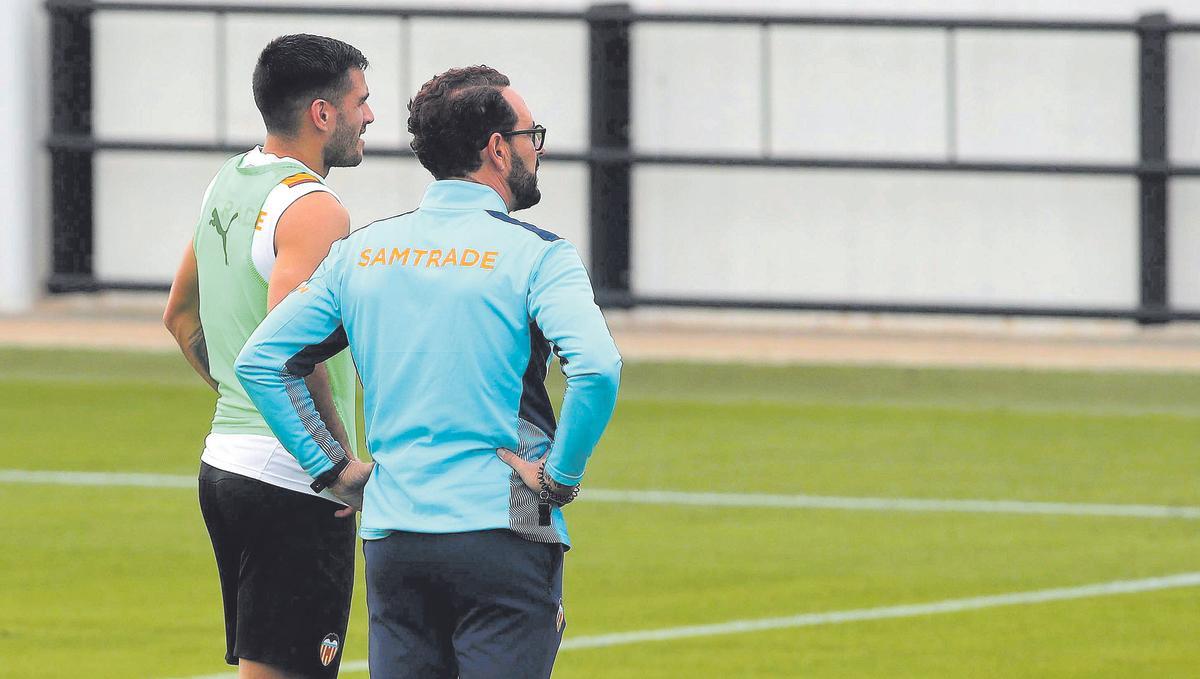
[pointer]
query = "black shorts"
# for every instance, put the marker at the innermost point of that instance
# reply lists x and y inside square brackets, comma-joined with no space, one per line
[286,565]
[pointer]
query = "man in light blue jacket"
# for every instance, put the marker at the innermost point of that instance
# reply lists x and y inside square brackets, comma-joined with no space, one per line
[452,313]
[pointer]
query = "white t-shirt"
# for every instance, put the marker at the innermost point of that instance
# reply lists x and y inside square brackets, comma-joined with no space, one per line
[253,455]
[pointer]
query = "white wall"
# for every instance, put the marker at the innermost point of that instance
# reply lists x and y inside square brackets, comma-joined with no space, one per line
[971,95]
[811,91]
[858,92]
[17,70]
[916,237]
[1183,237]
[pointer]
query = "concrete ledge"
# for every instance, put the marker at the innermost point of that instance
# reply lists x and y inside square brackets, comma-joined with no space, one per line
[131,321]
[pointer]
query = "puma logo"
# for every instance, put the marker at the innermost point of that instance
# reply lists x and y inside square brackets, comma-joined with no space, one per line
[215,223]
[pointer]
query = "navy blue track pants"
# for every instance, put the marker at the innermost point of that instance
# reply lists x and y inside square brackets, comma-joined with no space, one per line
[476,605]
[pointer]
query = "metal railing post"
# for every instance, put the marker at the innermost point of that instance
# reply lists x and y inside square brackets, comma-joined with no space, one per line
[1152,184]
[611,181]
[71,217]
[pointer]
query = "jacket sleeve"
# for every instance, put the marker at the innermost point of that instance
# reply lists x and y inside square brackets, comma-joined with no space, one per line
[300,332]
[563,305]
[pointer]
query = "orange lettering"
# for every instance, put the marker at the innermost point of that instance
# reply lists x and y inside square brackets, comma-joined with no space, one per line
[489,260]
[434,257]
[258,222]
[418,253]
[398,255]
[365,257]
[450,258]
[380,257]
[470,257]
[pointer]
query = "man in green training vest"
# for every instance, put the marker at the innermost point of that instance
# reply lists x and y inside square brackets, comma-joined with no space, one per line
[284,545]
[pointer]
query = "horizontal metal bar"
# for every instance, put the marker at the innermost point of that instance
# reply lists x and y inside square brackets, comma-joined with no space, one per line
[83,143]
[58,283]
[886,164]
[323,10]
[889,22]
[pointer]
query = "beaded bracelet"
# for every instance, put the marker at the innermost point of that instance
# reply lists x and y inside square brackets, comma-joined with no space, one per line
[548,495]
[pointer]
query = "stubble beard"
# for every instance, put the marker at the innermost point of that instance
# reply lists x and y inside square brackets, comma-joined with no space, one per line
[342,149]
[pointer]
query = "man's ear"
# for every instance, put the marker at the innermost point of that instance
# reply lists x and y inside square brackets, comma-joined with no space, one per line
[497,151]
[321,113]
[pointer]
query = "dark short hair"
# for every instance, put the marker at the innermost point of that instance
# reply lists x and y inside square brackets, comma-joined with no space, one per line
[293,70]
[453,115]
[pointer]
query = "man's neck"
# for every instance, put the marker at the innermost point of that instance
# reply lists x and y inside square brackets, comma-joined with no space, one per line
[310,155]
[492,181]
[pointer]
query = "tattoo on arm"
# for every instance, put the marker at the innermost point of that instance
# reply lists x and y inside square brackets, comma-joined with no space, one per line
[197,354]
[199,349]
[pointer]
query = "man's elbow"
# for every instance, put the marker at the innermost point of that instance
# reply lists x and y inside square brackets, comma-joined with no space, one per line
[612,371]
[172,318]
[183,325]
[605,374]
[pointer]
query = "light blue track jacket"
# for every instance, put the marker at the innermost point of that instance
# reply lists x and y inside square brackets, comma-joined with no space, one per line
[451,312]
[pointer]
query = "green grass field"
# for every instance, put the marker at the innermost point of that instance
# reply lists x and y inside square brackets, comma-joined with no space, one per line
[111,581]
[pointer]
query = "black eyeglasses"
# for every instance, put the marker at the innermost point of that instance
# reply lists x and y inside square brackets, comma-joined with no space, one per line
[537,134]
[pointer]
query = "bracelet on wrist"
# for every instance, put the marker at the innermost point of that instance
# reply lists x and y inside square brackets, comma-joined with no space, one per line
[557,496]
[330,476]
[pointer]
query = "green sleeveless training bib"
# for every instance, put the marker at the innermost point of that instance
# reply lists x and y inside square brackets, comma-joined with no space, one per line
[233,295]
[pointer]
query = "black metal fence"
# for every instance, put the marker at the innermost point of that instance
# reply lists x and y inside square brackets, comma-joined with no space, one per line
[609,156]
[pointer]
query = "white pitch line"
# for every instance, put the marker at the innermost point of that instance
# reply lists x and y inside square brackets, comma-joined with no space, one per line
[855,615]
[97,479]
[668,497]
[888,612]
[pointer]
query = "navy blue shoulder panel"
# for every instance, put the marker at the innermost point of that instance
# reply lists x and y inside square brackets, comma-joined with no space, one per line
[541,233]
[377,221]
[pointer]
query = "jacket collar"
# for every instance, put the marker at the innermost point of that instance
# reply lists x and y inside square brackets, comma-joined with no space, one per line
[458,194]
